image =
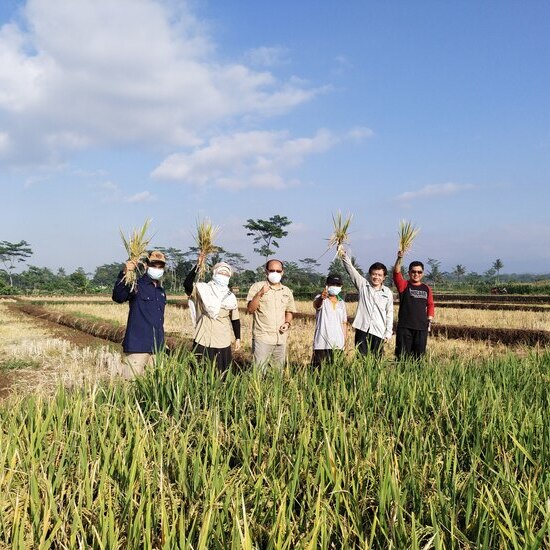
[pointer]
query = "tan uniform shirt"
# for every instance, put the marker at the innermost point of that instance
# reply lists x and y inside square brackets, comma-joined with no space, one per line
[214,333]
[270,314]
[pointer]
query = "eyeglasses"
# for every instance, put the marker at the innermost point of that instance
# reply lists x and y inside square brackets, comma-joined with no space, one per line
[274,270]
[416,271]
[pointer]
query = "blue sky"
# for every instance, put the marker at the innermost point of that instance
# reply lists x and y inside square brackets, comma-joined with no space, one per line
[434,112]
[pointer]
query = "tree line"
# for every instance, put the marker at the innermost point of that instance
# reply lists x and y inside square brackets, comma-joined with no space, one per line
[304,276]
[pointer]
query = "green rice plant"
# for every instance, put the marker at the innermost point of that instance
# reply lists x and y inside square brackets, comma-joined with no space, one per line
[357,454]
[340,234]
[17,363]
[407,234]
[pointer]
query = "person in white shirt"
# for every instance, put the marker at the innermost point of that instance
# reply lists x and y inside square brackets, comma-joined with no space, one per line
[331,322]
[373,321]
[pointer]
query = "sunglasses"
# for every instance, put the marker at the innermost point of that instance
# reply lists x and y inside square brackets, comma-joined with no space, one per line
[416,271]
[274,270]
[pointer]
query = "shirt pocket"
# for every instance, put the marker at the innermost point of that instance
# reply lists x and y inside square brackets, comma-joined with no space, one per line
[283,300]
[145,296]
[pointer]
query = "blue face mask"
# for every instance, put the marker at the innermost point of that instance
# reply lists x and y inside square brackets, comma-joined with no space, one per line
[334,290]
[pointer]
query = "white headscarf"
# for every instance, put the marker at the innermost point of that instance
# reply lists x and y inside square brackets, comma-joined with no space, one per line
[214,296]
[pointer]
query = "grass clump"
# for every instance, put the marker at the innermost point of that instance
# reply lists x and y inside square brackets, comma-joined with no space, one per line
[407,234]
[16,363]
[204,237]
[136,246]
[340,234]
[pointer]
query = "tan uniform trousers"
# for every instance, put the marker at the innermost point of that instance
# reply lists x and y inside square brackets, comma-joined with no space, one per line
[134,364]
[269,354]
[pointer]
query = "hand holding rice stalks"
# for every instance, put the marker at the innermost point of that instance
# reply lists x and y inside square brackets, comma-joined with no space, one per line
[340,235]
[407,234]
[206,233]
[136,247]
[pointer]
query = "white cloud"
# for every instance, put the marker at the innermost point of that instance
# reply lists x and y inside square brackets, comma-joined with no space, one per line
[265,56]
[4,143]
[34,180]
[248,159]
[343,64]
[143,196]
[110,192]
[360,132]
[97,72]
[108,186]
[434,190]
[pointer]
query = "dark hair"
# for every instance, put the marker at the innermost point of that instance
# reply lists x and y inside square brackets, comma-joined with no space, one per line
[378,265]
[274,260]
[415,264]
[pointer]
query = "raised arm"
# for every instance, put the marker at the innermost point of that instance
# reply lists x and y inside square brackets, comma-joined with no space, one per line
[318,301]
[122,291]
[357,279]
[189,281]
[398,279]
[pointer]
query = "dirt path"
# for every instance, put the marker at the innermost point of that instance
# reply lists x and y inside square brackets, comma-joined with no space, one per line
[76,338]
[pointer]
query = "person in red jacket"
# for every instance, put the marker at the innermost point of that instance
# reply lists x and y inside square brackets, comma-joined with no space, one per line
[416,310]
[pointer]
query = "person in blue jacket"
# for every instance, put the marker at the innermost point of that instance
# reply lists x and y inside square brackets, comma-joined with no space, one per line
[145,326]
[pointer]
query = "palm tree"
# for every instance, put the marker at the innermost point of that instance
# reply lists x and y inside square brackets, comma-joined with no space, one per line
[497,266]
[459,271]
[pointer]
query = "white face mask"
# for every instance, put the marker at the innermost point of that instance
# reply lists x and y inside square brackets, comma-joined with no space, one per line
[155,272]
[222,280]
[274,277]
[334,290]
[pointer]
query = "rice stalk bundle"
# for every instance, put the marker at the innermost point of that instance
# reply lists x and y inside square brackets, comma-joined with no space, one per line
[136,246]
[407,234]
[340,235]
[206,234]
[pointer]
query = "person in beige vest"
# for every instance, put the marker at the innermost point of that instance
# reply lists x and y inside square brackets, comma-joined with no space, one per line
[216,316]
[272,305]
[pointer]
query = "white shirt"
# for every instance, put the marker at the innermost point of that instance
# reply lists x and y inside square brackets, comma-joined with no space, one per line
[375,307]
[329,329]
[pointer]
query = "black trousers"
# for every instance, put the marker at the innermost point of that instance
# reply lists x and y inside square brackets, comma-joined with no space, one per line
[368,343]
[221,356]
[410,343]
[321,356]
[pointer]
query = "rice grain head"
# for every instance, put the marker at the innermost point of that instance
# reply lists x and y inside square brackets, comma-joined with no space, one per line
[407,234]
[136,246]
[340,235]
[206,234]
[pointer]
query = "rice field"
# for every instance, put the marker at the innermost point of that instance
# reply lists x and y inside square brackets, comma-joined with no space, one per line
[178,322]
[33,359]
[451,453]
[356,455]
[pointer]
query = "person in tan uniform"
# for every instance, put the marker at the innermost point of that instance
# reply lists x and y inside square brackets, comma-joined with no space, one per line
[216,316]
[272,305]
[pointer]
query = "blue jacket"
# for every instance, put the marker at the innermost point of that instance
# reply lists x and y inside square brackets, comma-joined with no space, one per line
[145,326]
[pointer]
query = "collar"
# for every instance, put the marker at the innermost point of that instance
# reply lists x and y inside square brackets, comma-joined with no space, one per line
[280,286]
[149,280]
